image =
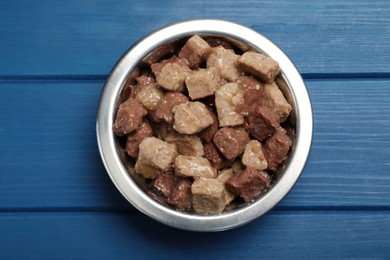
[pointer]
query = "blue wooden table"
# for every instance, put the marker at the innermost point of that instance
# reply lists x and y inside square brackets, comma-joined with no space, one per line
[56,200]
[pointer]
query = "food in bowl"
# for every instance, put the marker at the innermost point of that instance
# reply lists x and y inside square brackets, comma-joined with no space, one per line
[205,125]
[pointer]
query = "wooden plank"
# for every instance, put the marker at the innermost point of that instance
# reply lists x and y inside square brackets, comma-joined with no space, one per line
[49,156]
[71,38]
[88,235]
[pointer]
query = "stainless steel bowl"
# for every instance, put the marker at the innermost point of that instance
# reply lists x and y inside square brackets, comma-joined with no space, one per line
[121,173]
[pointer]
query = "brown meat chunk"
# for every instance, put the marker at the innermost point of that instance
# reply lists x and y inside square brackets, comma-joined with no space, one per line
[208,133]
[231,141]
[208,196]
[136,137]
[262,123]
[248,183]
[249,83]
[276,148]
[128,117]
[258,65]
[181,195]
[202,82]
[165,105]
[212,154]
[157,67]
[195,51]
[165,183]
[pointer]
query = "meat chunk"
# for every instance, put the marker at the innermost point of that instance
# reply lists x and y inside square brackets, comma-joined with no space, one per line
[128,117]
[181,195]
[208,133]
[202,83]
[227,97]
[191,118]
[248,183]
[157,67]
[253,94]
[212,154]
[262,123]
[249,83]
[225,60]
[165,183]
[165,105]
[157,153]
[146,170]
[149,96]
[276,148]
[207,196]
[195,51]
[231,141]
[136,137]
[187,165]
[186,144]
[172,76]
[143,81]
[222,177]
[258,65]
[274,99]
[253,156]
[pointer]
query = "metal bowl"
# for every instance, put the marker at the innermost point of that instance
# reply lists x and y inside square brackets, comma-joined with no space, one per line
[122,174]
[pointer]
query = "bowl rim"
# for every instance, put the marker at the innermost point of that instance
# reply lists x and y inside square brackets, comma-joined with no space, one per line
[134,194]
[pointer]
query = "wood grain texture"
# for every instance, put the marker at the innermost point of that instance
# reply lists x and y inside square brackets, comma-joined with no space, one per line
[87,37]
[49,157]
[91,235]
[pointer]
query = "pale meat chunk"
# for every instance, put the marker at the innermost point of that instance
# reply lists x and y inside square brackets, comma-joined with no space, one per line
[149,96]
[202,83]
[146,170]
[227,97]
[172,76]
[258,65]
[225,60]
[129,117]
[195,51]
[207,196]
[157,153]
[274,99]
[191,118]
[188,165]
[253,156]
[222,177]
[186,144]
